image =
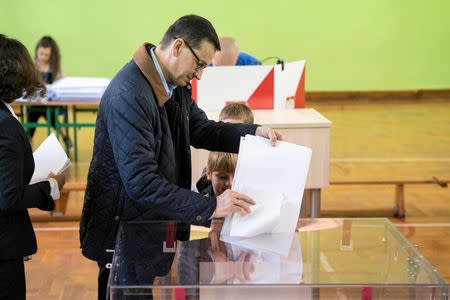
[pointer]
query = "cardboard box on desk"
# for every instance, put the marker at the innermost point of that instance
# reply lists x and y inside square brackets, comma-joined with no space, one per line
[260,87]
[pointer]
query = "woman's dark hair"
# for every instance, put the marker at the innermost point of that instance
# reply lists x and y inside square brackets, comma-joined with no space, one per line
[55,57]
[193,29]
[18,75]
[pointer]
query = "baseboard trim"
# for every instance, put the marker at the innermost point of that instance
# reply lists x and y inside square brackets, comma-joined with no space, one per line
[379,95]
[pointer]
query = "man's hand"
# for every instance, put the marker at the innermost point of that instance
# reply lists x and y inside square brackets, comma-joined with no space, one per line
[229,202]
[268,133]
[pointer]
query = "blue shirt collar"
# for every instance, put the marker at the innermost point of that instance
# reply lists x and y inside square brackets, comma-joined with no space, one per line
[169,87]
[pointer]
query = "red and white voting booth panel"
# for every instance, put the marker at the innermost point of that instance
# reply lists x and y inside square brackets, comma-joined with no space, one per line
[260,87]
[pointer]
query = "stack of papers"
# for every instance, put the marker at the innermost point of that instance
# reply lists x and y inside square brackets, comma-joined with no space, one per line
[77,89]
[49,158]
[275,178]
[29,100]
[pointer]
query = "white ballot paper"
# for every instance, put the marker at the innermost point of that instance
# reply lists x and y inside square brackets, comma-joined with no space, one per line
[273,243]
[49,157]
[275,178]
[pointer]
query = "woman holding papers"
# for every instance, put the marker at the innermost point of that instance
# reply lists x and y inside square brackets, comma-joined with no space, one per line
[18,77]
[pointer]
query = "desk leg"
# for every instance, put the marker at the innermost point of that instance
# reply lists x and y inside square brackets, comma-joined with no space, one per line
[75,129]
[24,110]
[49,120]
[314,260]
[400,200]
[22,116]
[66,121]
[315,203]
[305,205]
[57,126]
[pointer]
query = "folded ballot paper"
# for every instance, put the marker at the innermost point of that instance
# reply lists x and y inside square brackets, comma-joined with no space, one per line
[275,178]
[49,157]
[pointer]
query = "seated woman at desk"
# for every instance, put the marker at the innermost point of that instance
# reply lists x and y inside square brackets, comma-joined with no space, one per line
[48,62]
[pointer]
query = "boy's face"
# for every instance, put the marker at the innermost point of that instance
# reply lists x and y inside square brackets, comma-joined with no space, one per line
[221,181]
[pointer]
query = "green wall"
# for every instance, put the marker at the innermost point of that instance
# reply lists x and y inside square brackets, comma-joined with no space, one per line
[348,44]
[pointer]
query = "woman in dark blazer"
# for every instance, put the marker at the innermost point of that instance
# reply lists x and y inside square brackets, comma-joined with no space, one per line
[18,77]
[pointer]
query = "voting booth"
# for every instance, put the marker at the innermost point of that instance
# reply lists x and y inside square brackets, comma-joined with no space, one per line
[278,87]
[276,94]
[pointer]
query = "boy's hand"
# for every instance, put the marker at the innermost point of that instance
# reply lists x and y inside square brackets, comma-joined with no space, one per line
[229,202]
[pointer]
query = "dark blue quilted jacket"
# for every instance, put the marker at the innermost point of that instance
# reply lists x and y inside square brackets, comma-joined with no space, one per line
[141,164]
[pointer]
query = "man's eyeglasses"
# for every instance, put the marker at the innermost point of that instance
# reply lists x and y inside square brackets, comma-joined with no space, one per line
[200,64]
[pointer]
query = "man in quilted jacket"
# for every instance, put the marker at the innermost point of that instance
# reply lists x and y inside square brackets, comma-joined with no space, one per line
[146,123]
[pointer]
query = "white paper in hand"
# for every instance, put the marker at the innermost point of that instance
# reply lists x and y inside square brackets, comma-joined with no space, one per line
[49,157]
[275,178]
[265,213]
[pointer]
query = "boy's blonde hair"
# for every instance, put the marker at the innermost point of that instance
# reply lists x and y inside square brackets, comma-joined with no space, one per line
[221,162]
[237,111]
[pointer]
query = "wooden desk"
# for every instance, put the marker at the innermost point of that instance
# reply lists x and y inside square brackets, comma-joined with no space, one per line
[53,107]
[305,127]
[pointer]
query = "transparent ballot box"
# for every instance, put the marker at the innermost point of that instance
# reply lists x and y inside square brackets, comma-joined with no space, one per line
[323,259]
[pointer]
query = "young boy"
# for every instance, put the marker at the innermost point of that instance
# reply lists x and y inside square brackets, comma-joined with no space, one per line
[219,172]
[236,113]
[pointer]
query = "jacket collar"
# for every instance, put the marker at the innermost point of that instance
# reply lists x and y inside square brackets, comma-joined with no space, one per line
[145,63]
[3,107]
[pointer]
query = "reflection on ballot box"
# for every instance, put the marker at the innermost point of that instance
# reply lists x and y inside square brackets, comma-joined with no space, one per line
[260,87]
